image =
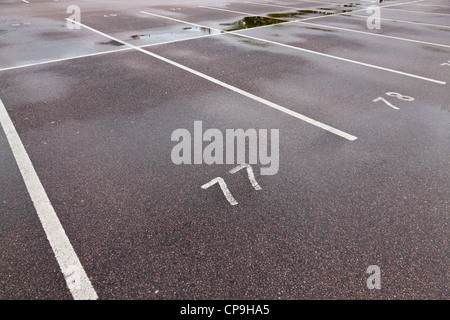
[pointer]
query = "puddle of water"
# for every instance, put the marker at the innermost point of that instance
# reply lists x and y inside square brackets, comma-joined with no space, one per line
[111,43]
[434,49]
[251,22]
[200,30]
[302,13]
[22,24]
[279,17]
[180,33]
[254,43]
[319,29]
[296,14]
[350,5]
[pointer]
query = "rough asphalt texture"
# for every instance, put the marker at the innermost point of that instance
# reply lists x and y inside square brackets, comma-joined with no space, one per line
[97,130]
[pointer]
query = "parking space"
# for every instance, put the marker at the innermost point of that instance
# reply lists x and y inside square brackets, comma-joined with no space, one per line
[363,173]
[27,266]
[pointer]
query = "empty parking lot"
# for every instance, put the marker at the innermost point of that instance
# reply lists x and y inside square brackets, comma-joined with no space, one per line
[92,205]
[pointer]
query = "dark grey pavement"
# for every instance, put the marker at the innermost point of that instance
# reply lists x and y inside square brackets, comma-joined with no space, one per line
[97,130]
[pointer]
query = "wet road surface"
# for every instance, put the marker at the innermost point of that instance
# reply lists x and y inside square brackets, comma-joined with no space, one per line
[96,118]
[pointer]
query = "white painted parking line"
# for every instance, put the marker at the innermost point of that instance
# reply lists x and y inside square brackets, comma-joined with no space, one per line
[62,59]
[106,52]
[25,1]
[359,10]
[401,21]
[203,26]
[375,34]
[238,12]
[351,30]
[421,12]
[388,7]
[124,49]
[161,43]
[329,55]
[324,2]
[282,6]
[78,282]
[230,87]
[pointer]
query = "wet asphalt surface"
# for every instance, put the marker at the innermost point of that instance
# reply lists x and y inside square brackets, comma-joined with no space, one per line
[97,130]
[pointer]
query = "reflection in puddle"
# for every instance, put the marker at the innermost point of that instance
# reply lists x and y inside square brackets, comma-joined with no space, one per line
[351,5]
[302,13]
[255,43]
[200,30]
[280,17]
[319,29]
[111,43]
[251,22]
[179,34]
[434,49]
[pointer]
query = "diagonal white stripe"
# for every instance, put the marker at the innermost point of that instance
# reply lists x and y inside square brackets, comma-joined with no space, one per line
[78,282]
[230,87]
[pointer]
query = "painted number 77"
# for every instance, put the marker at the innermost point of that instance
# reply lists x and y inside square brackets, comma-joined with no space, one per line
[396,95]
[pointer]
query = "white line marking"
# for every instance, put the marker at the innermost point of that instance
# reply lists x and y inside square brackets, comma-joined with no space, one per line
[230,87]
[402,21]
[25,1]
[62,59]
[65,254]
[251,175]
[388,7]
[162,43]
[198,25]
[318,17]
[106,52]
[333,3]
[375,34]
[223,187]
[238,12]
[445,14]
[178,20]
[127,49]
[351,30]
[331,56]
[287,7]
[359,10]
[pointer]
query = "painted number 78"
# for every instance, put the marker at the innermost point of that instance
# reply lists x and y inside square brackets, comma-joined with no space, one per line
[396,95]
